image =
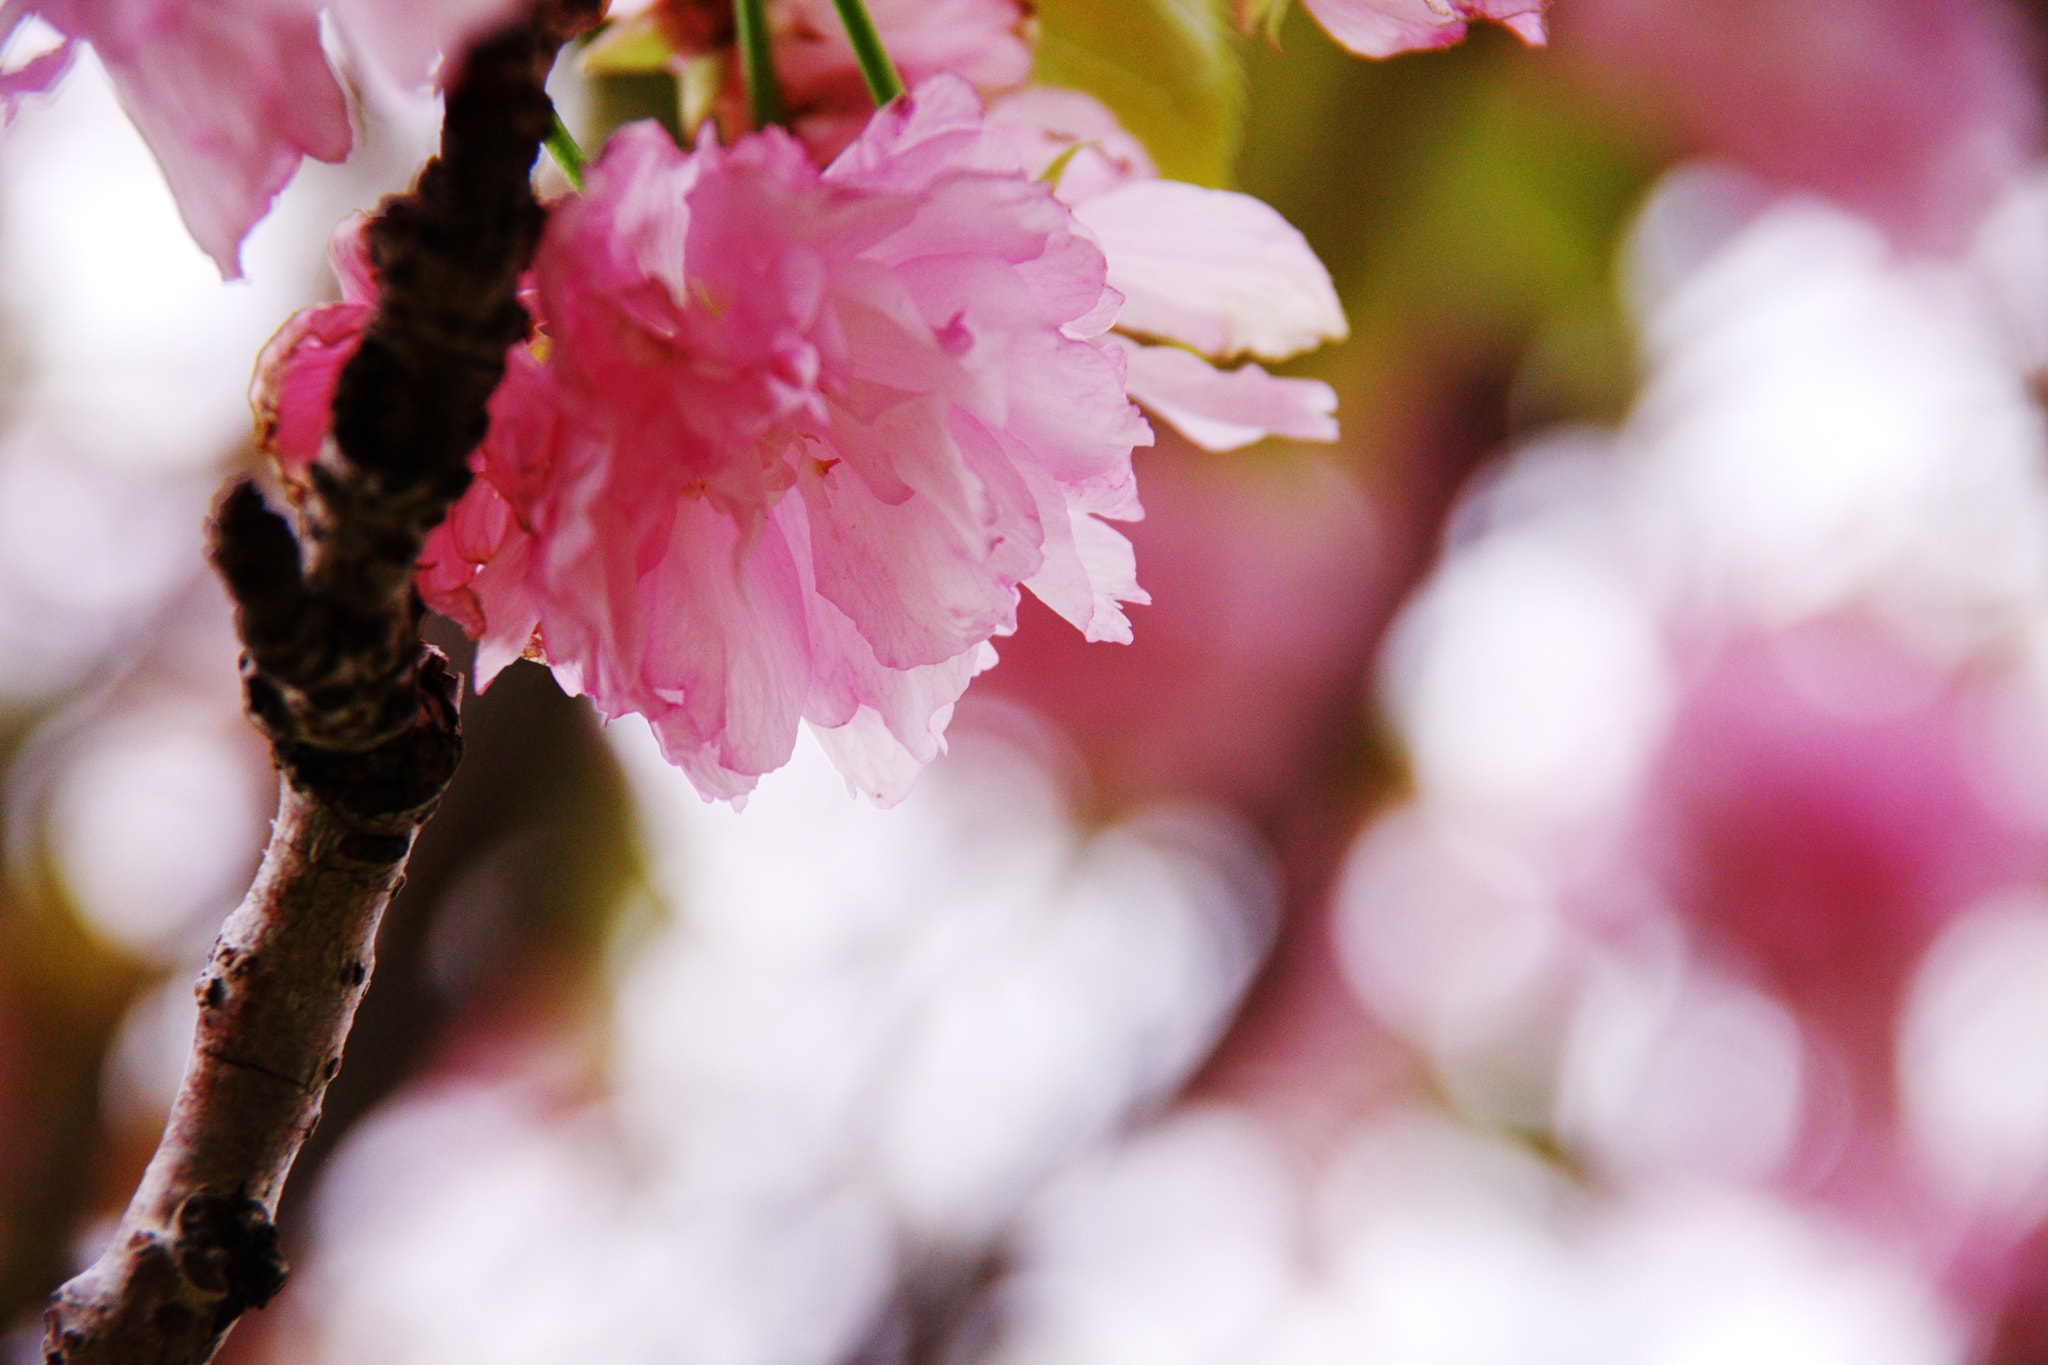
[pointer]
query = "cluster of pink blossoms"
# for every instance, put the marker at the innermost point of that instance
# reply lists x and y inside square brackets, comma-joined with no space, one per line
[788,438]
[788,441]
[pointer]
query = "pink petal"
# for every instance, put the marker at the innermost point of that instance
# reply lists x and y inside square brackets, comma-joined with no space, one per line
[1090,572]
[1218,271]
[292,392]
[928,577]
[409,40]
[1382,28]
[875,761]
[348,255]
[1043,123]
[230,94]
[1528,26]
[1225,409]
[36,76]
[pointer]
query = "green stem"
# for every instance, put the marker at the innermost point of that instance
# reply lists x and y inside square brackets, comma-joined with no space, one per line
[875,67]
[764,96]
[562,147]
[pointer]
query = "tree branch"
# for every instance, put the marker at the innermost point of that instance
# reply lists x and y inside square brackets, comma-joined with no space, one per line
[361,717]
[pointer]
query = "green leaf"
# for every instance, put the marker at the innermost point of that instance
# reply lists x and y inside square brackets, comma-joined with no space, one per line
[1168,68]
[628,47]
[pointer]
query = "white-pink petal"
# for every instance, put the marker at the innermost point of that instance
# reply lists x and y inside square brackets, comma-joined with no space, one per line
[36,76]
[410,40]
[230,94]
[1218,271]
[1224,409]
[1044,123]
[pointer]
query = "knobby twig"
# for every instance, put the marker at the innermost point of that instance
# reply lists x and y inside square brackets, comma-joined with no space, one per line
[360,714]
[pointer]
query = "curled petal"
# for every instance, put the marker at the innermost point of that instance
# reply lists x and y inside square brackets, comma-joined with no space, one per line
[1225,409]
[292,393]
[1217,271]
[1381,28]
[1090,573]
[36,76]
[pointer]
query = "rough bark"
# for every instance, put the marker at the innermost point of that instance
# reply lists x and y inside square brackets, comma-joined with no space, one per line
[360,714]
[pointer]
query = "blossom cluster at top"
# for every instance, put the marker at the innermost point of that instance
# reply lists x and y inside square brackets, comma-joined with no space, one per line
[232,95]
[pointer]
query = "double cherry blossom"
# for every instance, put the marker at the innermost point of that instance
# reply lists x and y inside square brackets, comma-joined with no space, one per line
[788,441]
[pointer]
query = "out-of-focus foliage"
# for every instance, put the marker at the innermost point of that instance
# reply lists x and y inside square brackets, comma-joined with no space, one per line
[1263,16]
[1468,202]
[631,46]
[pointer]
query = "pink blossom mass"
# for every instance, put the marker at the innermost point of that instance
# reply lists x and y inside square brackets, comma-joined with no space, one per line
[799,438]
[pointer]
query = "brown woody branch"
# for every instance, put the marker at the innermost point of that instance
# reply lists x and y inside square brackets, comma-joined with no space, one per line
[360,714]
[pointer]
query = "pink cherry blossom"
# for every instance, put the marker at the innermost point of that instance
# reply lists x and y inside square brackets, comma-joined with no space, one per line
[1381,28]
[799,438]
[1214,273]
[230,95]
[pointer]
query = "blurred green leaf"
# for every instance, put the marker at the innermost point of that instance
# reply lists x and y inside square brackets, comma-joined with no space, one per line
[1169,68]
[633,46]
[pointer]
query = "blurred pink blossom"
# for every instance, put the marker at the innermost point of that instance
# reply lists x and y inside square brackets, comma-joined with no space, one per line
[799,438]
[1825,848]
[1382,28]
[1913,112]
[230,94]
[1829,812]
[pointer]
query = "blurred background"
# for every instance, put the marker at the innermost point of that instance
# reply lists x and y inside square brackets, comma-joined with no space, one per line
[1561,876]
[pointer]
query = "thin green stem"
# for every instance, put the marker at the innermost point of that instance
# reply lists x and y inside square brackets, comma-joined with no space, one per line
[764,96]
[875,67]
[562,147]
